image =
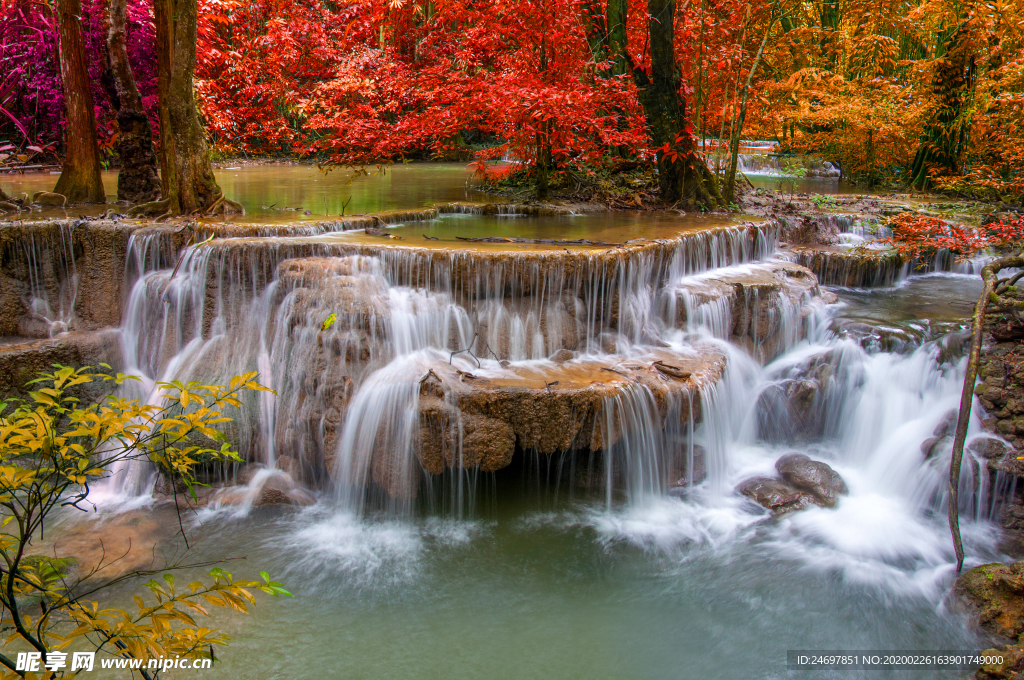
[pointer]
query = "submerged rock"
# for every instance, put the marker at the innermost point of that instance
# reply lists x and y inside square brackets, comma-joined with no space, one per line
[48,199]
[995,595]
[812,476]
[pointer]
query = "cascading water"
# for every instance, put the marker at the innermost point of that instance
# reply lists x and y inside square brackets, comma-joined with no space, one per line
[428,394]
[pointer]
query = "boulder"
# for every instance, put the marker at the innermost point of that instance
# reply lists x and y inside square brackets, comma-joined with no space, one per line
[995,595]
[773,494]
[562,355]
[929,446]
[989,448]
[813,477]
[48,199]
[1010,663]
[947,425]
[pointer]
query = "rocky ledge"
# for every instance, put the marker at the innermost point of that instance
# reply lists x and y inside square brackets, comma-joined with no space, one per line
[481,419]
[993,594]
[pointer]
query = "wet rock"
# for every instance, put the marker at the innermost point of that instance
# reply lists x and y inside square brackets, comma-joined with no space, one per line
[947,425]
[773,494]
[988,448]
[279,489]
[48,199]
[795,406]
[23,361]
[562,355]
[487,443]
[995,595]
[929,446]
[813,477]
[759,303]
[680,474]
[74,267]
[840,267]
[1008,664]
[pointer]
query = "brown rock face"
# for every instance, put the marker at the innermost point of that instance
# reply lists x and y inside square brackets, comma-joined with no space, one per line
[995,593]
[840,267]
[77,268]
[21,362]
[487,443]
[555,407]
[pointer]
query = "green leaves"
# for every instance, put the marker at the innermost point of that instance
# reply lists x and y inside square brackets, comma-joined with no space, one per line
[272,587]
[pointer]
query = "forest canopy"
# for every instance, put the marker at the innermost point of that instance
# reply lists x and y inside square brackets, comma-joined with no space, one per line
[927,94]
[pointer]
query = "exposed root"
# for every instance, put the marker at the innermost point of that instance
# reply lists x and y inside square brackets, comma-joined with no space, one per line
[151,209]
[223,205]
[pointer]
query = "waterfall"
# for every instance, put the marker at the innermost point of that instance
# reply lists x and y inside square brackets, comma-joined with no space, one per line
[389,367]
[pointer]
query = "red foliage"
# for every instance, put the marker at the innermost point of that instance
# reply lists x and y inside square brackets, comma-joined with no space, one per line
[915,236]
[376,80]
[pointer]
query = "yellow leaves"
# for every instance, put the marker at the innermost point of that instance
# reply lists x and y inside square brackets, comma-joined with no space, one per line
[51,445]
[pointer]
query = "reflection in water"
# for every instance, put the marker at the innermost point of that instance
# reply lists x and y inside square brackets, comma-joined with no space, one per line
[289,192]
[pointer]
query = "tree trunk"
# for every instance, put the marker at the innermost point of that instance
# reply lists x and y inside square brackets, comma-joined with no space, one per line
[617,38]
[80,179]
[682,174]
[946,133]
[989,292]
[543,164]
[737,132]
[137,180]
[187,180]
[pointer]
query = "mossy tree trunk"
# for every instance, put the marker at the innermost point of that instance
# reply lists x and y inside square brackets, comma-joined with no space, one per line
[617,38]
[683,177]
[187,180]
[137,180]
[80,179]
[945,135]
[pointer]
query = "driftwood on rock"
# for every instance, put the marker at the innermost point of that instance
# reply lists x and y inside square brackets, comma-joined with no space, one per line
[991,293]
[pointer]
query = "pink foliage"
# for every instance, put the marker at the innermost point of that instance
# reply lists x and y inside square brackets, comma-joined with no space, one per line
[31,97]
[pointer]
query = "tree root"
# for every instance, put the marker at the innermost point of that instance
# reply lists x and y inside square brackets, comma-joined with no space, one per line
[151,209]
[222,205]
[988,275]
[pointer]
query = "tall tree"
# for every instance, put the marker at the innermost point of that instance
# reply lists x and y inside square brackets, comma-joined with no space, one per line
[80,179]
[187,180]
[137,180]
[683,177]
[945,134]
[737,129]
